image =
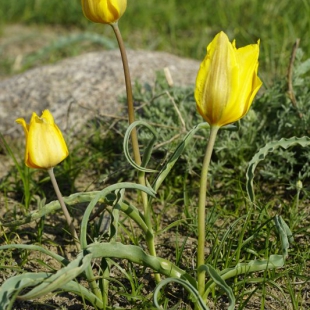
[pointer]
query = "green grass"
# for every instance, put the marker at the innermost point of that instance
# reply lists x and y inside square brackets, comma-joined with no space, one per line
[184,27]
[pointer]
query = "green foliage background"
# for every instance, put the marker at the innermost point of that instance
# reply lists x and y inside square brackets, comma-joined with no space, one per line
[185,27]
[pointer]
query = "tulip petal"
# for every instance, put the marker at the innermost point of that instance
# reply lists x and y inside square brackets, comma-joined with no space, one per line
[227,81]
[25,126]
[104,11]
[45,145]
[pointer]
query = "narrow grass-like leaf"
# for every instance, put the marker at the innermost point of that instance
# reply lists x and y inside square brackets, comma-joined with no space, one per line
[186,285]
[22,170]
[263,152]
[148,149]
[216,277]
[173,224]
[30,247]
[225,237]
[175,156]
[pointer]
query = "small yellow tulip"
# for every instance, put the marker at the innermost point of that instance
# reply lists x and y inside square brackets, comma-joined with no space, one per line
[104,11]
[45,145]
[227,81]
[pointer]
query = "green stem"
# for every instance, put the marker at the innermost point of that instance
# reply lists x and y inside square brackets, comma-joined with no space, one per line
[64,209]
[88,271]
[202,209]
[135,144]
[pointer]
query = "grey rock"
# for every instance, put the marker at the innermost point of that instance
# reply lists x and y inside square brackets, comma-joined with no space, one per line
[79,88]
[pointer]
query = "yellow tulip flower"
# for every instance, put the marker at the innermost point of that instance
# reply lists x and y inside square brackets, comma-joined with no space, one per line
[227,81]
[45,145]
[104,11]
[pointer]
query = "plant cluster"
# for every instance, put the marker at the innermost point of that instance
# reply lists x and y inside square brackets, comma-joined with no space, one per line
[238,245]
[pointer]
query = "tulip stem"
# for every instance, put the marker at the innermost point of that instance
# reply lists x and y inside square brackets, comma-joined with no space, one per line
[88,271]
[135,144]
[202,209]
[64,209]
[131,112]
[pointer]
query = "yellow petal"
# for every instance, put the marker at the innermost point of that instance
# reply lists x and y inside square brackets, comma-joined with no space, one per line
[104,11]
[22,122]
[45,145]
[227,81]
[217,78]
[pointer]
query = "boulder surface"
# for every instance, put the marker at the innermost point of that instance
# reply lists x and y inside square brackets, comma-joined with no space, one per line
[79,88]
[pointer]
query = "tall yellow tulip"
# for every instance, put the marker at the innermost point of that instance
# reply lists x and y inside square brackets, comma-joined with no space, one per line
[104,11]
[45,145]
[227,81]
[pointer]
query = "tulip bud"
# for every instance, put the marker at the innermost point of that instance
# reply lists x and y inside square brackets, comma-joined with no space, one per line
[299,185]
[227,81]
[45,145]
[104,11]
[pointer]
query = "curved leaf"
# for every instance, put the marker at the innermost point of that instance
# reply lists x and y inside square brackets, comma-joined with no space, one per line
[10,288]
[216,277]
[274,261]
[15,284]
[101,195]
[80,290]
[186,285]
[61,277]
[148,149]
[263,152]
[38,248]
[136,255]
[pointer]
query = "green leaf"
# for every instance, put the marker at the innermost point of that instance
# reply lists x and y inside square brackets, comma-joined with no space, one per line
[274,261]
[186,285]
[31,247]
[285,233]
[136,255]
[263,152]
[216,277]
[177,153]
[302,68]
[11,287]
[15,284]
[80,290]
[61,277]
[101,195]
[133,213]
[148,149]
